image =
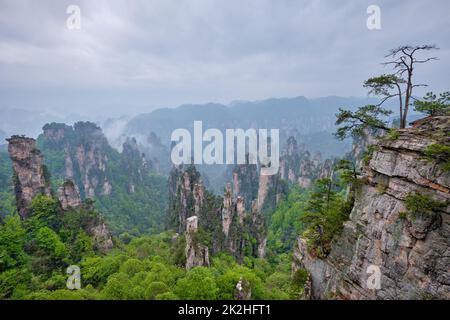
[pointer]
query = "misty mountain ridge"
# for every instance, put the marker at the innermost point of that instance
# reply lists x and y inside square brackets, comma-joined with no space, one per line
[310,120]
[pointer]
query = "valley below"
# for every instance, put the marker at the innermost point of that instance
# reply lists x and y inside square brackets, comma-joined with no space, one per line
[138,227]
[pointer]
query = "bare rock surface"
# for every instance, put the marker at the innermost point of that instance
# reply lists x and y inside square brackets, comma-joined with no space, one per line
[412,251]
[29,172]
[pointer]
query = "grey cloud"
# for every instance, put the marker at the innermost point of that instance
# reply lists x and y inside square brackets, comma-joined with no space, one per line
[145,54]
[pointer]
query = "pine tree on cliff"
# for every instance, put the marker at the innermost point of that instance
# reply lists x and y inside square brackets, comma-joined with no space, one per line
[399,84]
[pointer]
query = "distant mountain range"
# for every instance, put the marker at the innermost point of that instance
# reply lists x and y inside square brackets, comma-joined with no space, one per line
[310,121]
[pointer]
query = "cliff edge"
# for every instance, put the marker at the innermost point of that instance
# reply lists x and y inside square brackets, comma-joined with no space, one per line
[399,228]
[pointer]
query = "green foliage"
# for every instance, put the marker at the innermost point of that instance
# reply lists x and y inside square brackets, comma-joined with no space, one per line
[419,203]
[178,256]
[131,267]
[198,284]
[76,219]
[440,153]
[348,174]
[118,287]
[34,254]
[142,210]
[201,237]
[124,210]
[62,294]
[167,296]
[278,286]
[381,188]
[325,213]
[12,241]
[7,199]
[382,85]
[423,207]
[10,280]
[300,278]
[369,153]
[7,203]
[125,237]
[402,215]
[156,288]
[433,106]
[356,123]
[81,246]
[143,269]
[318,214]
[96,270]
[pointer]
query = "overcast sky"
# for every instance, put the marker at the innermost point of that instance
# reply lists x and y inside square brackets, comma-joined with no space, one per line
[132,56]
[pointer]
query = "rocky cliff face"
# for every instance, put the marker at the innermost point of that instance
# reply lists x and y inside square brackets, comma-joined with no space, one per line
[100,233]
[186,196]
[297,166]
[245,179]
[269,192]
[82,154]
[238,225]
[134,163]
[197,254]
[224,219]
[29,172]
[69,199]
[407,242]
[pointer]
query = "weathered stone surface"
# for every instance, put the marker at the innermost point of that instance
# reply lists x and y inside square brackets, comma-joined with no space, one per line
[186,196]
[31,181]
[86,158]
[69,196]
[245,182]
[410,250]
[227,210]
[30,178]
[258,230]
[225,219]
[197,254]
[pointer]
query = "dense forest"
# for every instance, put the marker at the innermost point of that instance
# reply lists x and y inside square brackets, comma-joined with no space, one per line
[146,258]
